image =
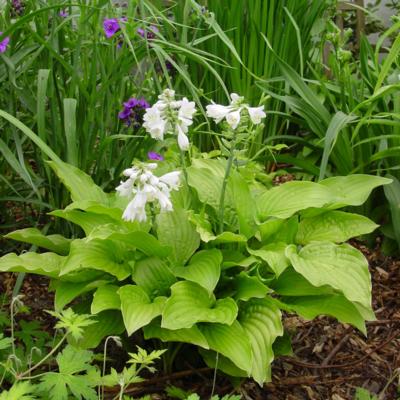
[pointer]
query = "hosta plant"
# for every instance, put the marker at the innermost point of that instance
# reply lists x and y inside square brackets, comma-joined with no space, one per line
[212,262]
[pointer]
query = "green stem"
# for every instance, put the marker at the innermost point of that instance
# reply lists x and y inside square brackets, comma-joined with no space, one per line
[225,183]
[45,358]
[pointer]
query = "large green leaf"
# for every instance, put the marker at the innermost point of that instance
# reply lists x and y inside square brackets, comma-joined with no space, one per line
[68,291]
[291,283]
[106,298]
[243,202]
[137,308]
[392,193]
[140,240]
[79,184]
[191,335]
[176,231]
[333,226]
[97,208]
[274,255]
[154,276]
[108,323]
[279,230]
[190,303]
[231,341]
[204,268]
[57,243]
[334,305]
[352,190]
[342,267]
[285,200]
[246,287]
[86,220]
[48,264]
[261,320]
[103,255]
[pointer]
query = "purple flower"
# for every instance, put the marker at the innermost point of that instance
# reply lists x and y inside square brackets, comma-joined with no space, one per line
[111,27]
[4,43]
[152,155]
[17,7]
[133,111]
[150,34]
[63,14]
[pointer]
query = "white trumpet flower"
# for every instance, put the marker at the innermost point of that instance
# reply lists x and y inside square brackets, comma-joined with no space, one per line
[168,115]
[232,113]
[143,187]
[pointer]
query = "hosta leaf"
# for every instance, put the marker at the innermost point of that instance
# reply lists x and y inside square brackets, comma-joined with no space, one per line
[204,268]
[243,202]
[334,305]
[291,283]
[342,267]
[176,231]
[140,240]
[278,230]
[102,255]
[190,335]
[285,200]
[224,364]
[231,341]
[57,243]
[247,287]
[261,320]
[105,298]
[68,291]
[86,220]
[203,228]
[190,303]
[352,190]
[97,208]
[333,226]
[154,276]
[108,323]
[79,184]
[274,255]
[137,308]
[48,264]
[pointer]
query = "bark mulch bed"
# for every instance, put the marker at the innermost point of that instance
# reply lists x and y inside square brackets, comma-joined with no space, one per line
[330,359]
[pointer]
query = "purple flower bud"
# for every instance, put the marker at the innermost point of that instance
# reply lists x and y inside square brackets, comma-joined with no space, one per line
[155,156]
[143,103]
[150,34]
[4,43]
[63,14]
[111,27]
[125,113]
[132,102]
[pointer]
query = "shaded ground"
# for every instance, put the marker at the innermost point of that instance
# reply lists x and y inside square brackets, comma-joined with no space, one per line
[330,359]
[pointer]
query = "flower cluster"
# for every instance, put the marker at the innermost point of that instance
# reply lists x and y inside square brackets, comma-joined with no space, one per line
[232,113]
[133,111]
[168,115]
[145,188]
[4,43]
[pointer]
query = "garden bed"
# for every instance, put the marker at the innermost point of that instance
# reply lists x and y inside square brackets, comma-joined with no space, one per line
[330,359]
